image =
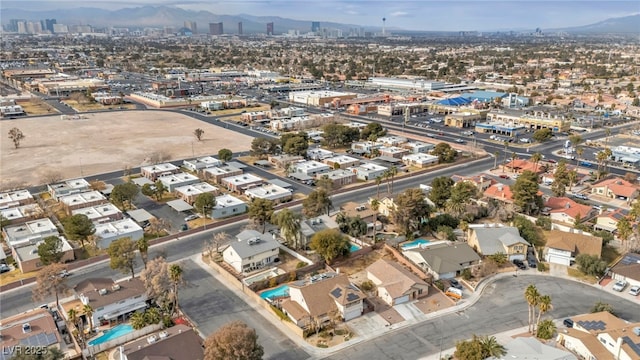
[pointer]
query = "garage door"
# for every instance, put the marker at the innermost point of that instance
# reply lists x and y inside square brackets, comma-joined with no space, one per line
[401,300]
[558,260]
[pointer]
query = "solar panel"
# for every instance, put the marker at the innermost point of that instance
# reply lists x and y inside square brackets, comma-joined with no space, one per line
[337,292]
[635,347]
[40,339]
[630,259]
[352,297]
[593,325]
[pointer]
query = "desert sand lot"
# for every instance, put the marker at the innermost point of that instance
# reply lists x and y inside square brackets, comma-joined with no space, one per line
[104,142]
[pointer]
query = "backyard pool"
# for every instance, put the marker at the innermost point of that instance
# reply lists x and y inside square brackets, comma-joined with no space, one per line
[112,333]
[353,247]
[414,244]
[280,291]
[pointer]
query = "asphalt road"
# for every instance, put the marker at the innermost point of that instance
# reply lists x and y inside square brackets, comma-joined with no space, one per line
[502,307]
[210,304]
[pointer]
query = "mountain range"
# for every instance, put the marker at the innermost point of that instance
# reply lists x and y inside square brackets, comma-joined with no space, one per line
[154,16]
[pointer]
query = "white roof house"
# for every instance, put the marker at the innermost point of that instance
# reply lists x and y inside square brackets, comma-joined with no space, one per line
[173,181]
[152,172]
[68,187]
[84,199]
[240,183]
[311,167]
[97,212]
[270,192]
[15,198]
[29,233]
[419,160]
[368,171]
[21,213]
[319,154]
[252,250]
[190,192]
[418,146]
[391,140]
[201,163]
[106,233]
[227,205]
[343,161]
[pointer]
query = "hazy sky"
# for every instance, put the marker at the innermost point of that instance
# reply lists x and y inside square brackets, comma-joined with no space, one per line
[411,15]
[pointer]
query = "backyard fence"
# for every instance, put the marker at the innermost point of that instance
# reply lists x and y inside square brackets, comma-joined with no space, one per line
[94,349]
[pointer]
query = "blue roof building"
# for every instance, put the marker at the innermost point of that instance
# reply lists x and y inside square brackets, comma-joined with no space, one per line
[458,101]
[483,96]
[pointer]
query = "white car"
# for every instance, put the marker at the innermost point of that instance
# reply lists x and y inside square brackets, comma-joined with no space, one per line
[191,217]
[619,285]
[635,290]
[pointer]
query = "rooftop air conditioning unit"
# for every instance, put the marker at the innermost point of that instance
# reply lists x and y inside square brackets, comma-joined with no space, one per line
[102,292]
[636,330]
[115,287]
[26,328]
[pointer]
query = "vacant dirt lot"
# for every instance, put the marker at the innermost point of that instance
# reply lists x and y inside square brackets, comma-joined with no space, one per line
[104,142]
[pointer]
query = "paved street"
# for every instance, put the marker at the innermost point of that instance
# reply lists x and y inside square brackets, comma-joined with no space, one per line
[210,304]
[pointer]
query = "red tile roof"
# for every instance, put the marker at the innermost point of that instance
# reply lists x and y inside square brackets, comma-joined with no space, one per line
[568,206]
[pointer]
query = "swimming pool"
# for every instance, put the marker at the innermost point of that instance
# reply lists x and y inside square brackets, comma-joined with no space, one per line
[354,247]
[280,291]
[113,333]
[415,244]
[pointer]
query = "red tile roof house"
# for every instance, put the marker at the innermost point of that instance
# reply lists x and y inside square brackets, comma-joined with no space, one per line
[521,165]
[566,210]
[615,188]
[481,181]
[608,220]
[502,192]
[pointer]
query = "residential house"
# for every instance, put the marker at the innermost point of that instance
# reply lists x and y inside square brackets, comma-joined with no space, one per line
[627,268]
[153,172]
[615,188]
[368,171]
[28,259]
[321,299]
[319,154]
[271,192]
[311,168]
[252,251]
[179,342]
[490,239]
[227,205]
[443,260]
[30,232]
[176,180]
[109,300]
[481,181]
[602,336]
[35,327]
[283,161]
[240,183]
[418,147]
[563,247]
[68,187]
[365,147]
[191,192]
[501,192]
[82,200]
[216,174]
[395,284]
[106,233]
[363,211]
[419,160]
[201,163]
[308,227]
[391,140]
[393,151]
[564,209]
[608,220]
[531,348]
[15,198]
[100,213]
[521,165]
[339,177]
[341,162]
[22,213]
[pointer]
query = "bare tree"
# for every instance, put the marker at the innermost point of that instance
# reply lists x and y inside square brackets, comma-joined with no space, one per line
[16,136]
[198,133]
[157,282]
[51,177]
[233,341]
[49,282]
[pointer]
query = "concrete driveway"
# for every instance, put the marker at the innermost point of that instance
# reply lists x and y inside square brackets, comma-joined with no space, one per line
[557,270]
[210,304]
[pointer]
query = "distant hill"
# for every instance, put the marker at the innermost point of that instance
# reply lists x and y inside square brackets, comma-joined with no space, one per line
[154,16]
[622,25]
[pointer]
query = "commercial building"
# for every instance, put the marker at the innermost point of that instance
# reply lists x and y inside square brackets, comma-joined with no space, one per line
[270,28]
[216,29]
[405,84]
[532,119]
[227,205]
[465,119]
[318,98]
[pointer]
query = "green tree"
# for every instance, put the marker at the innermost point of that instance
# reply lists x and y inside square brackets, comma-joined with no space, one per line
[441,190]
[261,211]
[123,194]
[546,329]
[491,347]
[143,247]
[372,132]
[122,253]
[461,193]
[225,155]
[198,134]
[544,305]
[290,226]
[137,320]
[499,258]
[535,158]
[445,153]
[624,229]
[50,251]
[176,274]
[336,135]
[152,316]
[316,203]
[233,341]
[148,190]
[262,147]
[525,192]
[479,348]
[16,136]
[560,180]
[88,311]
[411,210]
[591,264]
[159,190]
[295,144]
[601,306]
[542,135]
[528,230]
[205,203]
[78,227]
[330,243]
[531,295]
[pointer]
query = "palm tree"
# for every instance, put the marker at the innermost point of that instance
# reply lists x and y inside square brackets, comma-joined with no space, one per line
[573,176]
[531,294]
[152,316]
[536,159]
[375,206]
[88,311]
[137,320]
[544,305]
[495,159]
[143,247]
[608,154]
[514,156]
[579,152]
[491,347]
[387,175]
[290,226]
[175,274]
[378,182]
[72,315]
[546,329]
[393,171]
[506,147]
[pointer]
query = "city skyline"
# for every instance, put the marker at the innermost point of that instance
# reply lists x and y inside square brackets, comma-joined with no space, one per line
[405,15]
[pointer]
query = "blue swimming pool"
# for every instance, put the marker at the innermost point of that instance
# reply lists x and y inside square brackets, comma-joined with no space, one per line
[282,290]
[415,244]
[112,333]
[354,247]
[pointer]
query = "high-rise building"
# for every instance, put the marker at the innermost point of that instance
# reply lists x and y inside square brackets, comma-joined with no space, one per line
[191,25]
[270,28]
[240,28]
[315,26]
[216,29]
[49,24]
[13,24]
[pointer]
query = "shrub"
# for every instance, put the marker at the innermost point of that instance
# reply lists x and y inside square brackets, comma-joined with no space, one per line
[273,282]
[439,284]
[167,321]
[591,264]
[466,274]
[367,285]
[544,222]
[542,267]
[301,264]
[280,314]
[293,275]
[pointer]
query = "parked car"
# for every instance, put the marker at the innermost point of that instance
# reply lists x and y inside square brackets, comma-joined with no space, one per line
[568,323]
[552,161]
[4,268]
[64,274]
[586,164]
[520,264]
[460,141]
[504,176]
[191,217]
[532,262]
[635,290]
[619,285]
[455,283]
